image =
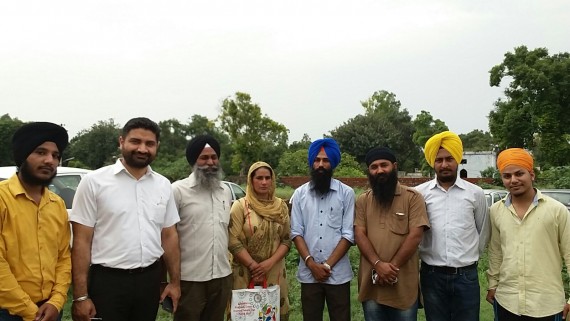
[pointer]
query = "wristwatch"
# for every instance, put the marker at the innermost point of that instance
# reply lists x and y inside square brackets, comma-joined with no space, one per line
[327,265]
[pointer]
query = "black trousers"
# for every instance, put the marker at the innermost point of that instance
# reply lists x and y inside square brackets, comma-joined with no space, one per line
[501,314]
[337,297]
[125,295]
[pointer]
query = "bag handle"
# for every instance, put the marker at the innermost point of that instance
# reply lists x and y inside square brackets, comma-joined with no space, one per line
[252,284]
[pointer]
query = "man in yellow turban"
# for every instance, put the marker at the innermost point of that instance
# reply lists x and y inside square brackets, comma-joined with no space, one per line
[450,250]
[530,232]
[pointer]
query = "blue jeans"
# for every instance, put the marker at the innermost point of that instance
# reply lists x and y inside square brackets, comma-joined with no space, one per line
[449,296]
[379,312]
[5,316]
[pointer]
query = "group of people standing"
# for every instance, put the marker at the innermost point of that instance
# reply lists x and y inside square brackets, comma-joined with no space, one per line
[126,217]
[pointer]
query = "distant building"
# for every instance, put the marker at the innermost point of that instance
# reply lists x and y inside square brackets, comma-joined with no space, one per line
[475,162]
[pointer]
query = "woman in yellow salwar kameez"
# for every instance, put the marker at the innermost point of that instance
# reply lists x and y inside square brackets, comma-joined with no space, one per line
[260,235]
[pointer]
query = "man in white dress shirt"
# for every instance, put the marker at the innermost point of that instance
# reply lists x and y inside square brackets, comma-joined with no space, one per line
[203,202]
[459,232]
[124,219]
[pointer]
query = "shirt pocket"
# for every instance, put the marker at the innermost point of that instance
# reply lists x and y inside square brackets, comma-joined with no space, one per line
[399,223]
[334,216]
[157,209]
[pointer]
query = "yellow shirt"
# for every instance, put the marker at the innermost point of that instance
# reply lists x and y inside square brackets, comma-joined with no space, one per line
[35,262]
[525,256]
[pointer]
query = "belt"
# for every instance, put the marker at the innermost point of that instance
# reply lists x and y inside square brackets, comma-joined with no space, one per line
[449,269]
[100,267]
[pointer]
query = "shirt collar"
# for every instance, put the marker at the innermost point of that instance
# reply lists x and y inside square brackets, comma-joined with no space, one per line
[119,167]
[460,183]
[16,188]
[538,196]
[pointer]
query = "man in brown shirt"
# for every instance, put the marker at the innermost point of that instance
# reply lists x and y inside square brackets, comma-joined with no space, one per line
[389,225]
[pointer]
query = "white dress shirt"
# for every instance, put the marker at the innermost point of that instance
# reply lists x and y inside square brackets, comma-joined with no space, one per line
[459,222]
[203,230]
[127,215]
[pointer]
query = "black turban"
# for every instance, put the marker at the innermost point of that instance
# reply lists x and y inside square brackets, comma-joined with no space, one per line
[379,153]
[196,146]
[28,137]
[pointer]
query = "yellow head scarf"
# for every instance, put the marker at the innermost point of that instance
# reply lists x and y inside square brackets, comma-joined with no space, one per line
[447,140]
[515,156]
[272,210]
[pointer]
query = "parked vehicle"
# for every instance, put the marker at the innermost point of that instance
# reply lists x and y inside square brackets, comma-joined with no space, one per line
[561,195]
[237,191]
[63,184]
[494,195]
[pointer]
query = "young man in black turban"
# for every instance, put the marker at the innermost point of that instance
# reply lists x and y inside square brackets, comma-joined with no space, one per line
[35,264]
[203,203]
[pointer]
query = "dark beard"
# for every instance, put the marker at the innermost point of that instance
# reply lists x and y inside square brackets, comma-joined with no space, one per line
[447,179]
[208,177]
[321,180]
[132,161]
[383,187]
[30,179]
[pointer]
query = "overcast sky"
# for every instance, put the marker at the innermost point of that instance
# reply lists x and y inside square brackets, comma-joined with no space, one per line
[308,64]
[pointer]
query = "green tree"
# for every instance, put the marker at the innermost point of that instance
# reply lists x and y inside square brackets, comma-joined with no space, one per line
[477,141]
[384,123]
[254,136]
[97,146]
[425,127]
[348,167]
[534,113]
[492,172]
[304,143]
[293,163]
[8,127]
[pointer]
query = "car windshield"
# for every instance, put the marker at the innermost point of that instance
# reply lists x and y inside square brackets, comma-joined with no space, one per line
[65,187]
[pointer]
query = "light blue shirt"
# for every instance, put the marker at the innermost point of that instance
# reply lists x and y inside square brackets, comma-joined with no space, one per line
[322,221]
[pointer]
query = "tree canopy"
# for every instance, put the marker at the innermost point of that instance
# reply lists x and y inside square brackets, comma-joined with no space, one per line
[477,141]
[95,147]
[534,113]
[384,123]
[254,136]
[8,127]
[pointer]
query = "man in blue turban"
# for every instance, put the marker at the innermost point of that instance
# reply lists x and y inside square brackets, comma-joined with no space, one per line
[322,219]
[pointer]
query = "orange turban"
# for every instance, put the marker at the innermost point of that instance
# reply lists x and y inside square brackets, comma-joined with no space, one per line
[447,140]
[515,156]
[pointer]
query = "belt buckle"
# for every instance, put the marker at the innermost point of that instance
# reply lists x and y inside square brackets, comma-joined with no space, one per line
[455,270]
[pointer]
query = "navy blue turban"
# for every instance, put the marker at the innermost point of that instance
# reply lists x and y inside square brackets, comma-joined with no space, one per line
[331,148]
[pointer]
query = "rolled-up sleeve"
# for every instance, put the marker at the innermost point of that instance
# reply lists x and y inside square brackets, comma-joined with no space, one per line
[348,215]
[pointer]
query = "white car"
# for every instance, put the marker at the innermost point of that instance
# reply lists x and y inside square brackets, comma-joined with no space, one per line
[494,195]
[237,191]
[63,184]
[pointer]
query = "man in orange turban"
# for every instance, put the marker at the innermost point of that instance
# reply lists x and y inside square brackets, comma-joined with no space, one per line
[515,156]
[450,250]
[530,232]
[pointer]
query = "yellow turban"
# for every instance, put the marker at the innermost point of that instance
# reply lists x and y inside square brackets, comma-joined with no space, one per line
[515,156]
[447,140]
